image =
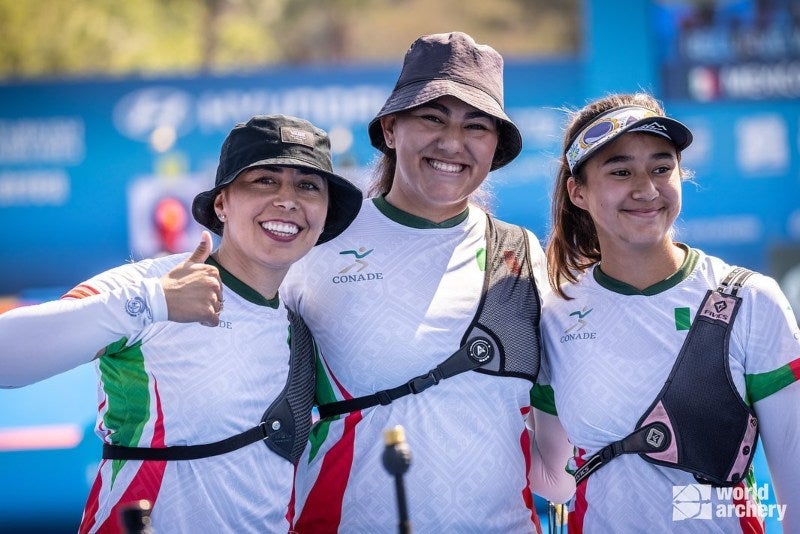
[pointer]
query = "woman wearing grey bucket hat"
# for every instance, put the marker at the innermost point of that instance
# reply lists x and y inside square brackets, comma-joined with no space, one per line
[426,313]
[189,387]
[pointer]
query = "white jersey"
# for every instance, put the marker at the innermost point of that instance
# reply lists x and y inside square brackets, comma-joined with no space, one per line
[387,301]
[163,383]
[608,353]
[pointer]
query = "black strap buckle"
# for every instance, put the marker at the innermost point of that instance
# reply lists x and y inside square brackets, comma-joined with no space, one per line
[421,383]
[264,426]
[611,451]
[383,397]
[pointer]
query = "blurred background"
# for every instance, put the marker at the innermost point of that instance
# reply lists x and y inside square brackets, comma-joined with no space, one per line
[112,115]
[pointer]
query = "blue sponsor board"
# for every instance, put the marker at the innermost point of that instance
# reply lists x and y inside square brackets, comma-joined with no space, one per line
[84,164]
[94,173]
[728,50]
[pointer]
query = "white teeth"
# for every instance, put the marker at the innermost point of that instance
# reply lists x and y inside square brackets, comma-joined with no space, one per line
[280,228]
[445,167]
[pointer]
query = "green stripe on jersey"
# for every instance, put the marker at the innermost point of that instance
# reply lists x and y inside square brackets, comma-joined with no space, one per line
[480,256]
[413,221]
[126,386]
[324,395]
[543,398]
[762,385]
[683,319]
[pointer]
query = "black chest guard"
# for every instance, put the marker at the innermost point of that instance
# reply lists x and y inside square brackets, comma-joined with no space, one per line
[284,427]
[698,422]
[503,338]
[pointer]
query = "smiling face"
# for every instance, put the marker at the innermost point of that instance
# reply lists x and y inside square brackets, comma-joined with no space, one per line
[273,216]
[632,191]
[444,152]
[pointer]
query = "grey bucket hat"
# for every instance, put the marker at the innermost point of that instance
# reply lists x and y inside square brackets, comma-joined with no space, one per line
[288,142]
[452,64]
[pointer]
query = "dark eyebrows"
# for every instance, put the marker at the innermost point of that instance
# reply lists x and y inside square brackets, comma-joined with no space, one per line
[622,158]
[309,172]
[664,155]
[277,169]
[268,168]
[616,159]
[474,114]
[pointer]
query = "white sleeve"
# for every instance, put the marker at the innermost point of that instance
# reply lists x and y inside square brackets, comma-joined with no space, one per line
[550,451]
[779,425]
[772,349]
[43,340]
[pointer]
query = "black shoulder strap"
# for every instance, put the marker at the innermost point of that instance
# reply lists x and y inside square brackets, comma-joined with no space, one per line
[471,356]
[734,281]
[655,436]
[186,452]
[478,349]
[288,419]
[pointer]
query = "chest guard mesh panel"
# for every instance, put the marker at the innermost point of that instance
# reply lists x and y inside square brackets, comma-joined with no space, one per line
[714,431]
[288,419]
[508,315]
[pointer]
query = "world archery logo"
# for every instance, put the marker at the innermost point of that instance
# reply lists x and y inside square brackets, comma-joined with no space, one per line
[352,273]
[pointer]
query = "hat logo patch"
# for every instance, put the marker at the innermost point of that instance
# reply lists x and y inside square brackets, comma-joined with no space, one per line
[654,127]
[297,136]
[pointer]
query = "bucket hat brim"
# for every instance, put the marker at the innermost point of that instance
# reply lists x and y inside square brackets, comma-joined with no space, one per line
[509,143]
[344,199]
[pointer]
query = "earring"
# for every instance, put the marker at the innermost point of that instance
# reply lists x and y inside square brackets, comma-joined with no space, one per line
[389,142]
[221,216]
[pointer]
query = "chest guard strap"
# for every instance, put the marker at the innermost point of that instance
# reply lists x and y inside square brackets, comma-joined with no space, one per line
[284,427]
[503,338]
[698,422]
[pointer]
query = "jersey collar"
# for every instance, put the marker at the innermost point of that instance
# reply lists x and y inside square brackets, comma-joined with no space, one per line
[243,290]
[617,286]
[406,219]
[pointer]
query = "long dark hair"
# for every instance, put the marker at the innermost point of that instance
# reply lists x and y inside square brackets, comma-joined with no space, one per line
[573,245]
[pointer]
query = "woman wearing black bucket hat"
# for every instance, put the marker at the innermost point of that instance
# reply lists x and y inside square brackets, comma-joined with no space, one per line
[423,274]
[182,407]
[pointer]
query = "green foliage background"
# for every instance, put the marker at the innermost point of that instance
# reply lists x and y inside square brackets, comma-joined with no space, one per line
[68,38]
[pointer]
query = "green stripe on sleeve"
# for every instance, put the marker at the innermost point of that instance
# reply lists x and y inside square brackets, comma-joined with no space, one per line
[762,385]
[543,398]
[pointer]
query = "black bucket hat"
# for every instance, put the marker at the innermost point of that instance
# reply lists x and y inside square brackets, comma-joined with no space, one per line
[287,142]
[452,64]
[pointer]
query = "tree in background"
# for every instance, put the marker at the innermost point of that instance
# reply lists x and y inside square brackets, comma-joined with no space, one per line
[61,38]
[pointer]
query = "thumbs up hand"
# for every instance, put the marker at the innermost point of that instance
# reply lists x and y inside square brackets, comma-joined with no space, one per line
[193,289]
